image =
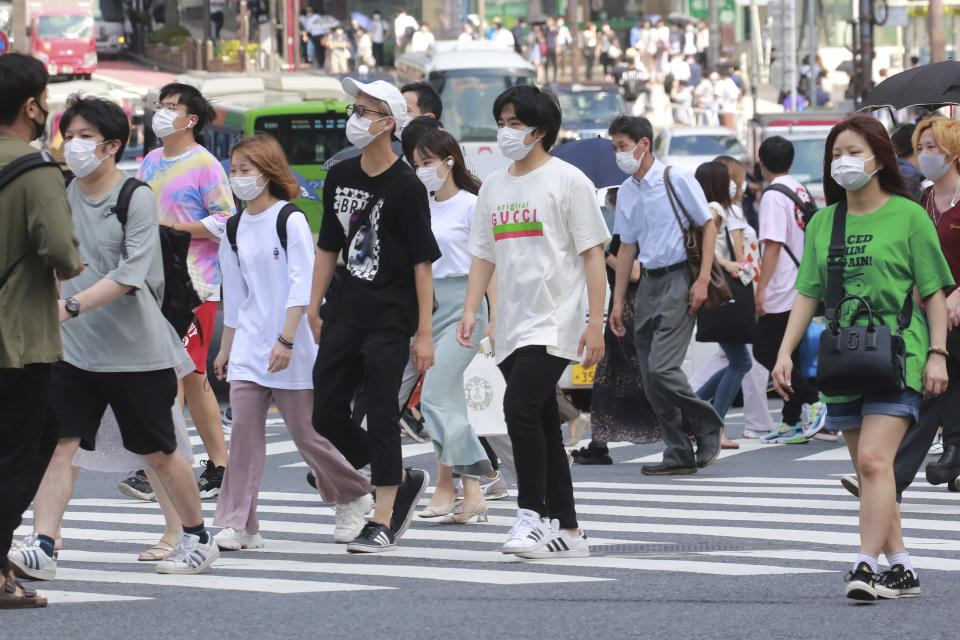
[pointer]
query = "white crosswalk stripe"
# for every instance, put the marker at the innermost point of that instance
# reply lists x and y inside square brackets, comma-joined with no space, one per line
[726,526]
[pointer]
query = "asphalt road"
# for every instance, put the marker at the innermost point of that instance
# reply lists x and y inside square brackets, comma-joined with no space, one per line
[755,546]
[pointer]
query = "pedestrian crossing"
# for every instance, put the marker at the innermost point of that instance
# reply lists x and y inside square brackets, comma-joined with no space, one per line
[716,523]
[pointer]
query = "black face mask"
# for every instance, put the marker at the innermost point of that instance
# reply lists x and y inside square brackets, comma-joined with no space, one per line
[38,127]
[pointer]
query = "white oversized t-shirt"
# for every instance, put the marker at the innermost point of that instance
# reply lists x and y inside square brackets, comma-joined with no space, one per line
[450,222]
[533,228]
[780,221]
[258,290]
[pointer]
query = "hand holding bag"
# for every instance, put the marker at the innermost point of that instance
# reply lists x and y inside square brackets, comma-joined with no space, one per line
[718,291]
[858,359]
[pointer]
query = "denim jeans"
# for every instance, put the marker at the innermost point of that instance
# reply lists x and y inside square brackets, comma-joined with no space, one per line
[722,387]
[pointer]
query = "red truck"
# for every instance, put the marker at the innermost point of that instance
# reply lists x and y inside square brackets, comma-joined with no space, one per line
[64,39]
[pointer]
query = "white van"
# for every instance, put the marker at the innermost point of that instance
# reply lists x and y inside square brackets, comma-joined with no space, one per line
[468,76]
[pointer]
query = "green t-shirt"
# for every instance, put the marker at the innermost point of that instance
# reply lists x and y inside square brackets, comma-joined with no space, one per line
[888,252]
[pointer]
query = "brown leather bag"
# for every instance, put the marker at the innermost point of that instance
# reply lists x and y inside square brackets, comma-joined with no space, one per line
[718,291]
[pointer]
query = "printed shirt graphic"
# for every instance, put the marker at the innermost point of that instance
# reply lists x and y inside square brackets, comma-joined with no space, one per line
[888,252]
[782,221]
[192,187]
[948,229]
[379,291]
[533,228]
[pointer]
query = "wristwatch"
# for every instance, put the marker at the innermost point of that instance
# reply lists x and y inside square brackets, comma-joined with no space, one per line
[72,306]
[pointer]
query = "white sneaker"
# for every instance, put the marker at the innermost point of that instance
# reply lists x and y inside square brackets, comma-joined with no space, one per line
[350,518]
[754,433]
[528,533]
[232,540]
[937,447]
[815,420]
[190,556]
[561,544]
[492,488]
[30,561]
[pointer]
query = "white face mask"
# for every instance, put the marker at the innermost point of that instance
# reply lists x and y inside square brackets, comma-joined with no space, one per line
[246,187]
[627,163]
[81,156]
[162,123]
[430,176]
[358,131]
[849,173]
[511,142]
[933,166]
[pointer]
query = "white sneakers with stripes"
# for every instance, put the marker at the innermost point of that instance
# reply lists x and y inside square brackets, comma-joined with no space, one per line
[29,561]
[533,537]
[190,556]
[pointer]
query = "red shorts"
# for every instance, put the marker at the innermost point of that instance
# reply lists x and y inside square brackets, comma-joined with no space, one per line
[197,339]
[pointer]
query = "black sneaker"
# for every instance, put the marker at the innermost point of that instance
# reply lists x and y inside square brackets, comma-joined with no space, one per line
[210,480]
[311,479]
[137,486]
[861,583]
[592,455]
[408,496]
[413,427]
[897,582]
[373,538]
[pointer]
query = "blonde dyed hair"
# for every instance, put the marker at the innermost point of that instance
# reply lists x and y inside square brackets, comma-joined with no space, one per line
[265,153]
[946,131]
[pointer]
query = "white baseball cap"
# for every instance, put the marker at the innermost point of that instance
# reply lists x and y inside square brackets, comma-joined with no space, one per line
[381,90]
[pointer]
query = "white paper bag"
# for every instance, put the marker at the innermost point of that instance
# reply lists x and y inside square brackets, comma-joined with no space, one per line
[484,386]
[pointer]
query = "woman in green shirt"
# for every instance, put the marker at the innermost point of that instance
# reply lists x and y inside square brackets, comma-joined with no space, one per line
[891,248]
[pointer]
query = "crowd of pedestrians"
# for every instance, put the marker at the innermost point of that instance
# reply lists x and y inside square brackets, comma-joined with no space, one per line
[417,263]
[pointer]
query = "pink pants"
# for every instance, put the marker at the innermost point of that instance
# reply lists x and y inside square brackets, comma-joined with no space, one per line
[337,480]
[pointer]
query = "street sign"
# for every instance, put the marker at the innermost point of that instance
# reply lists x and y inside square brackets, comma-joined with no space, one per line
[897,17]
[4,43]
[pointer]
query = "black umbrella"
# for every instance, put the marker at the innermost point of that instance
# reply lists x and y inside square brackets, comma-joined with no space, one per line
[932,84]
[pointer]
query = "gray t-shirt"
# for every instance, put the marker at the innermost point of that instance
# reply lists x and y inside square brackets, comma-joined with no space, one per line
[130,333]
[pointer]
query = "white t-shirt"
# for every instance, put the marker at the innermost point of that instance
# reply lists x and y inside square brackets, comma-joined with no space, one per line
[533,228]
[732,221]
[779,218]
[258,290]
[450,222]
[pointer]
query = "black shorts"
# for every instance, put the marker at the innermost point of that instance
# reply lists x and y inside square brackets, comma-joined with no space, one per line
[141,401]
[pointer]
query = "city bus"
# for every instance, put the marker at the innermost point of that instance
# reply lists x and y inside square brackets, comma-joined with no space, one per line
[468,76]
[305,113]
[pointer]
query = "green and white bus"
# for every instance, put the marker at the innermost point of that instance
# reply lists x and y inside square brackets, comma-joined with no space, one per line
[304,112]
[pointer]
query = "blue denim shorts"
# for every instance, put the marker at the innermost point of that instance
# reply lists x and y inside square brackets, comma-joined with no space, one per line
[849,415]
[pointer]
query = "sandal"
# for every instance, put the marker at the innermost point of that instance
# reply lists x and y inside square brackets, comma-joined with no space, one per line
[729,444]
[14,595]
[156,553]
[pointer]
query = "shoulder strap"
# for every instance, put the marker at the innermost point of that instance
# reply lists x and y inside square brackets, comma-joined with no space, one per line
[285,213]
[122,206]
[790,193]
[836,261]
[233,223]
[675,200]
[364,216]
[25,163]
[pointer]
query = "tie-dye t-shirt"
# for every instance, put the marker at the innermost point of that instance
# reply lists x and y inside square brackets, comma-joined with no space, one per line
[192,187]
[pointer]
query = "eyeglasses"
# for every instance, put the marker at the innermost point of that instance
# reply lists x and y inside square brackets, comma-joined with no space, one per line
[170,106]
[359,110]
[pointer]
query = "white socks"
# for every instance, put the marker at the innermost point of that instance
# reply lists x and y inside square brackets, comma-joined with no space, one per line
[901,558]
[870,560]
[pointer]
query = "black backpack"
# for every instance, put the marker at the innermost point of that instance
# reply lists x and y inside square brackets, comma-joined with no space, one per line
[10,172]
[807,209]
[233,223]
[180,299]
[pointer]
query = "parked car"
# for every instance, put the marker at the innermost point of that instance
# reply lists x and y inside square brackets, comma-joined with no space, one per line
[587,110]
[689,147]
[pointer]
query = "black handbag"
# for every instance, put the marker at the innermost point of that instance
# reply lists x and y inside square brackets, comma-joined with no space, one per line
[734,322]
[858,359]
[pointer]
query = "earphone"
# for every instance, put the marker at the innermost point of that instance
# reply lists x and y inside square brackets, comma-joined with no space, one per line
[450,162]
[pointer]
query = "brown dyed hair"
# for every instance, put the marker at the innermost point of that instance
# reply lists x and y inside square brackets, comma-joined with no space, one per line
[876,137]
[265,152]
[737,173]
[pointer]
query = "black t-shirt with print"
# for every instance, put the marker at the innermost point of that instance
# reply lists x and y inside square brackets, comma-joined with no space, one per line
[378,290]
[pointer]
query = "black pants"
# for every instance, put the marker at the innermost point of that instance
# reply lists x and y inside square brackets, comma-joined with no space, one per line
[530,409]
[216,19]
[770,330]
[378,53]
[319,51]
[550,61]
[27,442]
[371,361]
[942,411]
[588,60]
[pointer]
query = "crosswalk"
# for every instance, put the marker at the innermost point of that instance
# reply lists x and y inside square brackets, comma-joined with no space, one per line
[737,526]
